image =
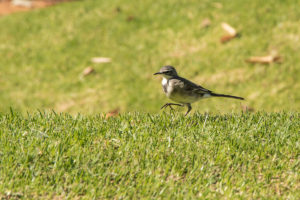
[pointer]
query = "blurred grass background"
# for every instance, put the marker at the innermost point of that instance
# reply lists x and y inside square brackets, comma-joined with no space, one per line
[44,52]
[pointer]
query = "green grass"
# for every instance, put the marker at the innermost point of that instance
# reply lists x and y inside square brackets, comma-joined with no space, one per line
[44,52]
[142,156]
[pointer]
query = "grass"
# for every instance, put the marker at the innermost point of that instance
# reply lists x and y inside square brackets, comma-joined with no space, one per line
[45,51]
[143,156]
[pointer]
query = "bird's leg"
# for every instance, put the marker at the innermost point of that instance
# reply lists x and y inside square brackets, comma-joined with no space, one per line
[189,109]
[170,105]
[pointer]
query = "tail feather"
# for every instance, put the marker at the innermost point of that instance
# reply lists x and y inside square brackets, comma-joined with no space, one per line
[225,95]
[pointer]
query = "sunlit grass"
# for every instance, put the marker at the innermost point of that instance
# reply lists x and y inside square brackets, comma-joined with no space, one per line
[139,155]
[134,156]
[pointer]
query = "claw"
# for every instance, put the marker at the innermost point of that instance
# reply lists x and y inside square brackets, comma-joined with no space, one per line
[170,105]
[163,106]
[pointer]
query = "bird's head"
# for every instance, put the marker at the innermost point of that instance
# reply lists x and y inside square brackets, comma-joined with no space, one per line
[167,72]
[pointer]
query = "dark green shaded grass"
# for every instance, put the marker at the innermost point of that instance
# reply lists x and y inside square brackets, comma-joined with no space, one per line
[247,156]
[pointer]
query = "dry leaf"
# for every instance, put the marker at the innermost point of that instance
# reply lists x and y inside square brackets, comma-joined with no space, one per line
[112,113]
[130,18]
[232,33]
[101,60]
[205,23]
[246,108]
[226,38]
[218,5]
[229,29]
[88,70]
[118,9]
[273,57]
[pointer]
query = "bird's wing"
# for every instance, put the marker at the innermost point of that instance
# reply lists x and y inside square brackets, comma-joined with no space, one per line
[189,86]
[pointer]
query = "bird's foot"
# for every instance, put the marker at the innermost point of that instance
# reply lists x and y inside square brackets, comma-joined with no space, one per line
[170,105]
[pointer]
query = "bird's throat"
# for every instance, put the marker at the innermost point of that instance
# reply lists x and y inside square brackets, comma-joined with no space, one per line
[165,86]
[164,81]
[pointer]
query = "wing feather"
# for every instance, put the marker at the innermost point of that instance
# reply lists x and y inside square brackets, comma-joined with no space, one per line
[188,86]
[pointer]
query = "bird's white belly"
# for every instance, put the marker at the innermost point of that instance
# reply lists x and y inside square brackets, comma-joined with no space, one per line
[183,98]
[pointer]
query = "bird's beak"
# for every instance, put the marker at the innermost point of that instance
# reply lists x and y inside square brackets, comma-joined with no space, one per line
[157,73]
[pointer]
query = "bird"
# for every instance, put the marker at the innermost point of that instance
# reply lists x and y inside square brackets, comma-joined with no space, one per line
[183,91]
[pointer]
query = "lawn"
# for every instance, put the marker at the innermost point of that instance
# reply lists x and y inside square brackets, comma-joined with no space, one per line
[44,52]
[56,142]
[143,156]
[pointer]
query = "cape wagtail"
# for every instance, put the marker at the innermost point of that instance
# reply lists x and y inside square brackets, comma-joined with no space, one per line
[184,91]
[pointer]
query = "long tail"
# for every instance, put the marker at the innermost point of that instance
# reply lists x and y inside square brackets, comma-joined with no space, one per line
[225,95]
